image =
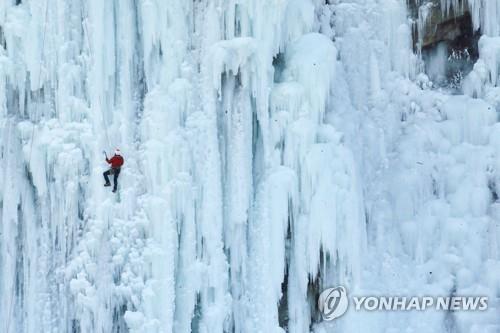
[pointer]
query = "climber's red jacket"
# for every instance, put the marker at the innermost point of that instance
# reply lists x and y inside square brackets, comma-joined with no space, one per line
[115,161]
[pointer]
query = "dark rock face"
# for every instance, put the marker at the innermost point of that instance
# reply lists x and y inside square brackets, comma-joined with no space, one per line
[449,35]
[440,26]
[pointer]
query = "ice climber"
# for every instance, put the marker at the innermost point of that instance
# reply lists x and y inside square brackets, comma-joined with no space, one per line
[116,164]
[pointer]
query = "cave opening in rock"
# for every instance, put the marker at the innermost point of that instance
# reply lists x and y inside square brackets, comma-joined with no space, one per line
[447,42]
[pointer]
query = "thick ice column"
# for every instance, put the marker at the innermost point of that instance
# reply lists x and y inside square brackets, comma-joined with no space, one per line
[100,34]
[485,16]
[484,13]
[236,120]
[214,300]
[11,198]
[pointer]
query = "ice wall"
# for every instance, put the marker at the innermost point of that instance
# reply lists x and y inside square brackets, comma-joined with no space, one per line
[272,149]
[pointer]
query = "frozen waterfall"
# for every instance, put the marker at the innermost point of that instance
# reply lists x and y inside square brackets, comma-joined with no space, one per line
[273,148]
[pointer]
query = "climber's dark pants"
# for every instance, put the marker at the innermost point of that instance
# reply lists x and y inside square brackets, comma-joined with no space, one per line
[115,173]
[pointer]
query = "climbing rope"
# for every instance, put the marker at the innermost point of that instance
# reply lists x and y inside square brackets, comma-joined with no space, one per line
[104,122]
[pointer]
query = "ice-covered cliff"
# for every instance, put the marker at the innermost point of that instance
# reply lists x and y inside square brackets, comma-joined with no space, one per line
[272,149]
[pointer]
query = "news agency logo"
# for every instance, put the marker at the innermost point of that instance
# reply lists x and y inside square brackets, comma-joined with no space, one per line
[333,303]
